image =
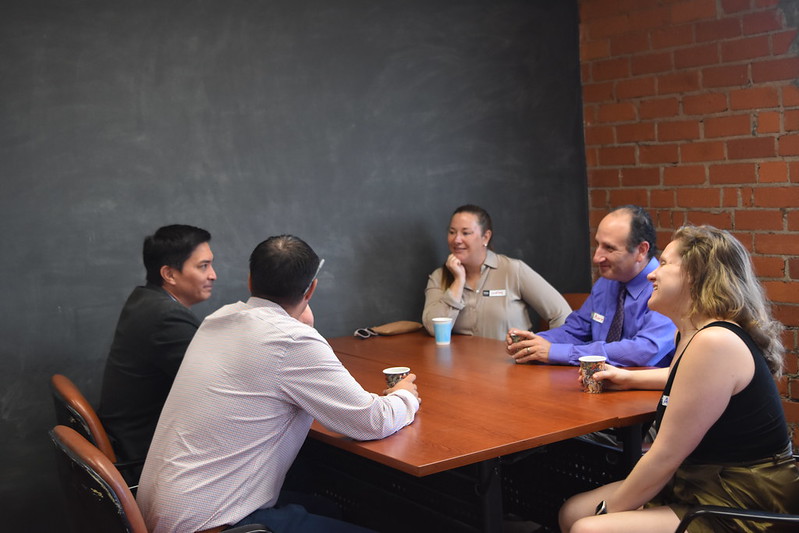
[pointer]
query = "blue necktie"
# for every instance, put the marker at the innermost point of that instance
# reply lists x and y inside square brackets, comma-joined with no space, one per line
[614,333]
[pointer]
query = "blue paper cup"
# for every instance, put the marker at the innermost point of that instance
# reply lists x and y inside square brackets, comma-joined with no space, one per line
[443,330]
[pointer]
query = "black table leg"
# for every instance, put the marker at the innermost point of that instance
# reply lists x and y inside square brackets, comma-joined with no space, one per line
[632,441]
[490,491]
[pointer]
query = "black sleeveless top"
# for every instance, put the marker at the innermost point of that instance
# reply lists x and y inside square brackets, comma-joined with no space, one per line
[753,424]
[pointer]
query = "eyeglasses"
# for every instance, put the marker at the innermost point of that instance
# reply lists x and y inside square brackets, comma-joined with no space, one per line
[322,262]
[365,333]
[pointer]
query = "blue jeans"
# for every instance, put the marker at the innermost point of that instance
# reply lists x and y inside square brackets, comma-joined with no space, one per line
[290,515]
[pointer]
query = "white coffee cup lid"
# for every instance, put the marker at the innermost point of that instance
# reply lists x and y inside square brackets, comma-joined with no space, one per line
[396,370]
[593,358]
[442,319]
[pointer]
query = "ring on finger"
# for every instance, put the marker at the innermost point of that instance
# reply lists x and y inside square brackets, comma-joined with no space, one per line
[528,350]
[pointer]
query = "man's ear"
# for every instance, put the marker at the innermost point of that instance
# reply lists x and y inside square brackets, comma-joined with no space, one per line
[643,250]
[168,275]
[310,291]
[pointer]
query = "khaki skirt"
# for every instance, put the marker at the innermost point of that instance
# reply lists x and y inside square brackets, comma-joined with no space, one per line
[768,485]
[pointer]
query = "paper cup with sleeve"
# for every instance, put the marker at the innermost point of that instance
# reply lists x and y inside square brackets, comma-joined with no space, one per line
[394,374]
[442,327]
[589,364]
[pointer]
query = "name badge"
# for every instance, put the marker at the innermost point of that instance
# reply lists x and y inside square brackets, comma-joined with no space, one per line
[495,292]
[596,317]
[664,400]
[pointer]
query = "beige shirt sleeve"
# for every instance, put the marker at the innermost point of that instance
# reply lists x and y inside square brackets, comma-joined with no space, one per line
[438,302]
[542,297]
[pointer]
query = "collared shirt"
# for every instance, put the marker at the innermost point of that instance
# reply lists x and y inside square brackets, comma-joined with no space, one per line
[499,302]
[251,383]
[647,336]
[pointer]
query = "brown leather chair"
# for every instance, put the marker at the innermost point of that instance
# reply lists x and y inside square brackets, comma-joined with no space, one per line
[575,301]
[73,410]
[97,497]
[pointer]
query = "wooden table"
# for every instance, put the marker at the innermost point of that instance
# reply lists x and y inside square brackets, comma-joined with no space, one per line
[477,406]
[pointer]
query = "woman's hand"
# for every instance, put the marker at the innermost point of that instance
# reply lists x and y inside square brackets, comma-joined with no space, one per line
[613,378]
[625,379]
[456,267]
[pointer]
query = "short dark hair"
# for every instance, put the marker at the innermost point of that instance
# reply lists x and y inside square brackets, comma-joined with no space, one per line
[170,246]
[282,268]
[641,229]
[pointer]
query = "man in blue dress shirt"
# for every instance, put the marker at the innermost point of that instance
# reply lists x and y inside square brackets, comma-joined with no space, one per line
[614,321]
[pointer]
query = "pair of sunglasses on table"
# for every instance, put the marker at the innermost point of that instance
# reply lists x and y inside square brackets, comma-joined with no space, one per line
[365,333]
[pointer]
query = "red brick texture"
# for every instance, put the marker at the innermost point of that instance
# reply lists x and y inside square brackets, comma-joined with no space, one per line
[691,109]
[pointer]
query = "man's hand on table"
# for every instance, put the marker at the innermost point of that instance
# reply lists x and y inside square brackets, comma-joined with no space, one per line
[529,348]
[406,383]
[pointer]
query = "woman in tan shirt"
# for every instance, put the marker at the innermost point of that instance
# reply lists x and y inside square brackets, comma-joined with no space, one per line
[485,293]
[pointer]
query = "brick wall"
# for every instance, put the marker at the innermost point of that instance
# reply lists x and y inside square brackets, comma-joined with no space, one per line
[691,109]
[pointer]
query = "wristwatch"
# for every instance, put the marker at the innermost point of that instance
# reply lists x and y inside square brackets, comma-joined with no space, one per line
[602,508]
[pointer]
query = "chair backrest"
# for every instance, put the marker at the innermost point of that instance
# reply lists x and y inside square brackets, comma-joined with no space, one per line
[73,410]
[575,301]
[97,497]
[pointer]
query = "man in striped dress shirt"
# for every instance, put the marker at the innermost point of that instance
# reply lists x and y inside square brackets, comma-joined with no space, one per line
[253,379]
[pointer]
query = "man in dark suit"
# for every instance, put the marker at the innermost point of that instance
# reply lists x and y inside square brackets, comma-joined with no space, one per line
[152,334]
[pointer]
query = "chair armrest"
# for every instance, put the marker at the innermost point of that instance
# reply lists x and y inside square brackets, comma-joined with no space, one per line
[131,471]
[249,528]
[734,512]
[128,464]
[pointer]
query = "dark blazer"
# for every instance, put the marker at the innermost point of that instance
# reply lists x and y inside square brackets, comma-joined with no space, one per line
[151,337]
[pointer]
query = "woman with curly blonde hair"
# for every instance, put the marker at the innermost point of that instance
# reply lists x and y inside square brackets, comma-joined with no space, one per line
[722,437]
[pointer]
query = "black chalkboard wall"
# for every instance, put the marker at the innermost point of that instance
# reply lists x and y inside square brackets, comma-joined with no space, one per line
[358,125]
